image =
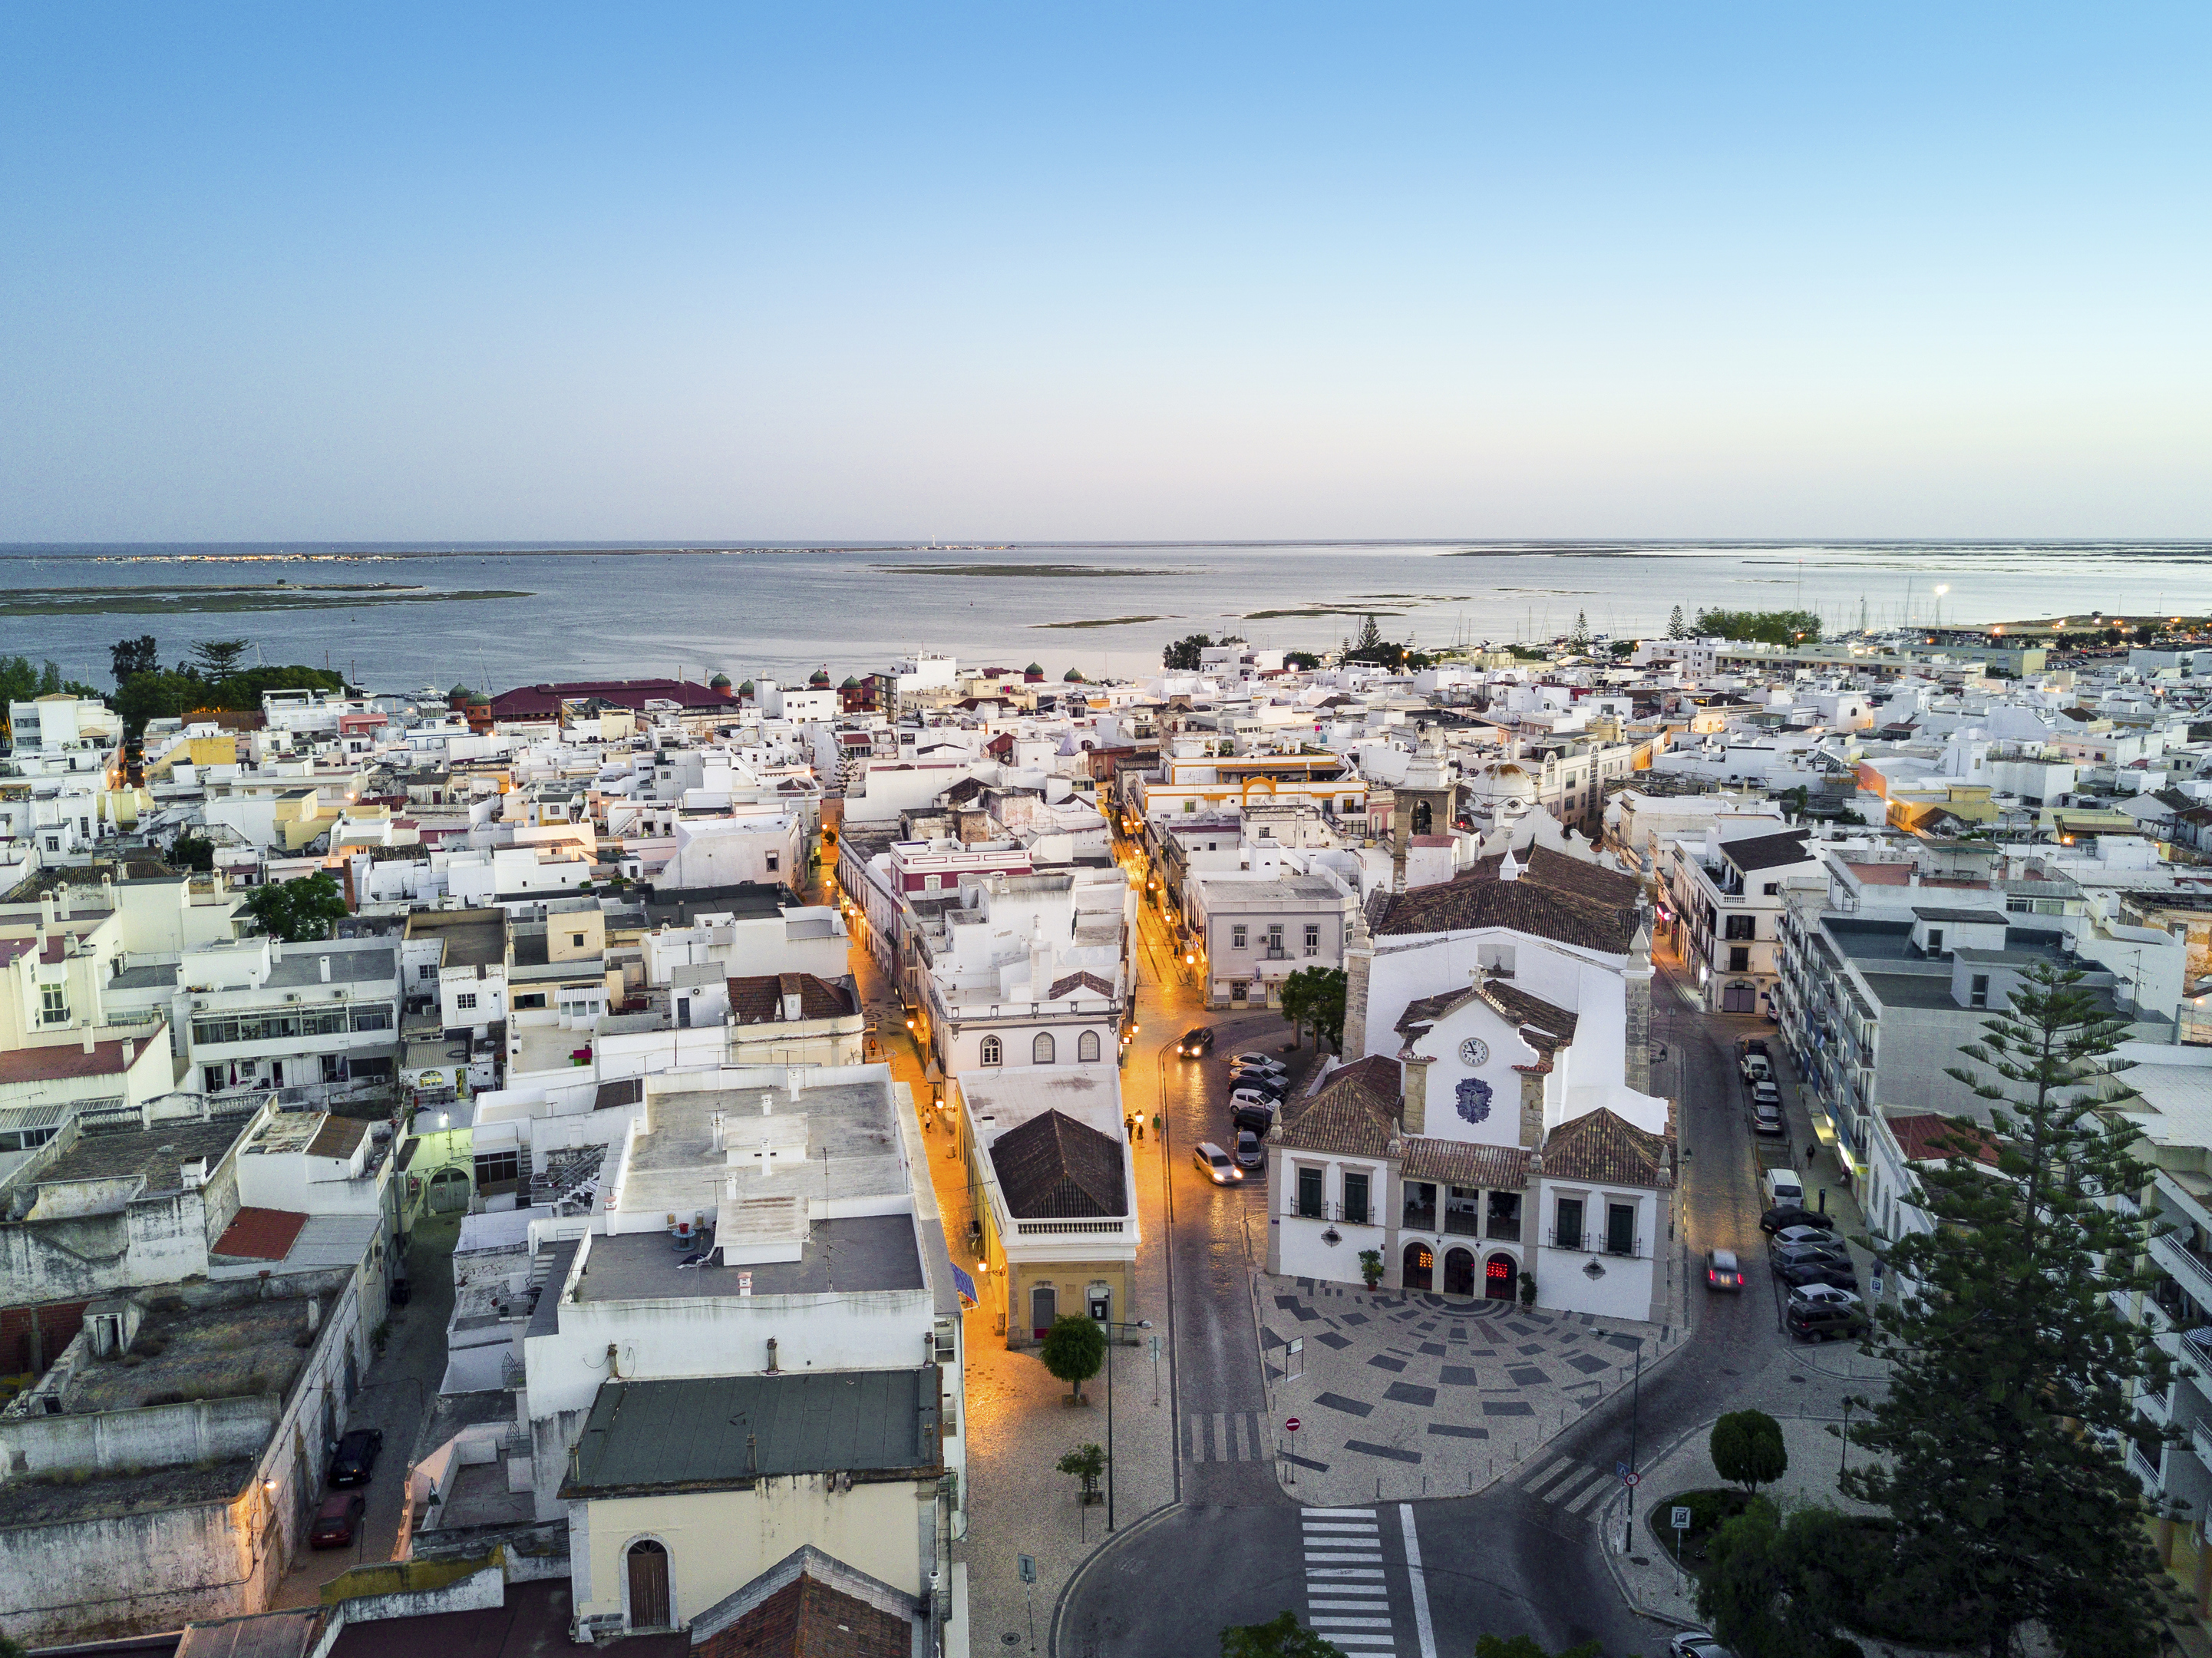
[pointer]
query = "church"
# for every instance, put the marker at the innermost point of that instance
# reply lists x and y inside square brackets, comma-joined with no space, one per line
[1491,1132]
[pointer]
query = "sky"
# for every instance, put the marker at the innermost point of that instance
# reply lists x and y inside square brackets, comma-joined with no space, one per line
[1109,272]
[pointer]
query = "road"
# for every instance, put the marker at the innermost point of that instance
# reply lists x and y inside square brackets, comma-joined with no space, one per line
[1516,1559]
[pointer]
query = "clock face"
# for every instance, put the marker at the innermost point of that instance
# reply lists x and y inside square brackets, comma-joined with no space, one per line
[1474,1051]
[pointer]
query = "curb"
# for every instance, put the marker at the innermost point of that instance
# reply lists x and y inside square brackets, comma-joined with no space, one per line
[1059,1602]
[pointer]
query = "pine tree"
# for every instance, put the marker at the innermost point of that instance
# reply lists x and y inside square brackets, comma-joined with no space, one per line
[1580,638]
[1676,627]
[2012,1367]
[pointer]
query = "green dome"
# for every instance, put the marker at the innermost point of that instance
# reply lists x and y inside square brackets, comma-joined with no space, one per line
[819,679]
[479,698]
[745,689]
[720,681]
[852,684]
[1075,677]
[461,691]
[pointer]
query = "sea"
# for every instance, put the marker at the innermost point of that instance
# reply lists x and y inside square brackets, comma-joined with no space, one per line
[394,617]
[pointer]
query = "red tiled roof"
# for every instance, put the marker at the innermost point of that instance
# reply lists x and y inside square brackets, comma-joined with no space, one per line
[1556,897]
[259,1234]
[1060,987]
[64,1060]
[1608,1150]
[759,1000]
[1925,1137]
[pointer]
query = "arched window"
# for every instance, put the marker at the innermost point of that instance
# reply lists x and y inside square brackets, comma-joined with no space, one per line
[1086,1047]
[1041,1050]
[1423,817]
[993,1054]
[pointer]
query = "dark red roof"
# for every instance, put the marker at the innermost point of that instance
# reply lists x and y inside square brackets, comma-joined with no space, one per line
[40,1065]
[1925,1137]
[259,1234]
[807,1619]
[759,1000]
[542,701]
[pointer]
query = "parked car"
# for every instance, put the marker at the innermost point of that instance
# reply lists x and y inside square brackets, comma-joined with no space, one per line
[1755,1068]
[1830,1249]
[1806,1232]
[1824,1295]
[355,1459]
[1268,1086]
[1697,1643]
[1766,1119]
[1216,1164]
[337,1520]
[1197,1041]
[1765,1093]
[1257,1118]
[1721,1270]
[1249,1154]
[1253,1096]
[1791,1214]
[1798,1274]
[1819,1321]
[1257,1062]
[1755,1045]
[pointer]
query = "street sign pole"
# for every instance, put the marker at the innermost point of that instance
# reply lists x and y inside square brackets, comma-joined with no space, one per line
[1290,1465]
[1029,1588]
[1681,1519]
[1635,1410]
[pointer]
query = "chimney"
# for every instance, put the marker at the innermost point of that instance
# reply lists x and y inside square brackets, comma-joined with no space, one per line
[323,963]
[62,902]
[768,1105]
[275,949]
[771,1362]
[791,1001]
[130,1050]
[88,1038]
[314,1314]
[45,910]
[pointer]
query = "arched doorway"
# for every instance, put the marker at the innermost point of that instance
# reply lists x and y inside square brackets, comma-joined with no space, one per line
[1459,1273]
[449,1190]
[1044,1308]
[1497,1276]
[649,1585]
[1421,1266]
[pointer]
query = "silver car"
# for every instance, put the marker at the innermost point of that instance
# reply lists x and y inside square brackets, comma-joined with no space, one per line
[1217,1165]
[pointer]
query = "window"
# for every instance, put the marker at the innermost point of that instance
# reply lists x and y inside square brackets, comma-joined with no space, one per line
[212,1076]
[1505,1216]
[1275,939]
[1741,926]
[993,1052]
[1355,1199]
[54,1004]
[465,1000]
[1977,993]
[1041,1050]
[1236,940]
[493,1167]
[1309,1193]
[932,883]
[1934,941]
[426,971]
[1239,990]
[1190,805]
[1569,1233]
[575,941]
[1773,888]
[529,999]
[772,864]
[373,1018]
[1313,940]
[1086,1048]
[1620,1229]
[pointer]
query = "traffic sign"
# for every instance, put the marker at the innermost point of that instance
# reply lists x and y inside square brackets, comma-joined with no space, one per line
[1620,1469]
[1028,1563]
[1291,1426]
[1631,1479]
[1681,1519]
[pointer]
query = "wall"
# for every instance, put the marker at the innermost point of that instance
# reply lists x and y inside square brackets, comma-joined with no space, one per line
[1625,1290]
[152,1437]
[126,1574]
[719,1541]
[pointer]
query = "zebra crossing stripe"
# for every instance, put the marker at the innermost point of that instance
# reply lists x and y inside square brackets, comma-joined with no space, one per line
[1579,1481]
[1591,1492]
[1541,1474]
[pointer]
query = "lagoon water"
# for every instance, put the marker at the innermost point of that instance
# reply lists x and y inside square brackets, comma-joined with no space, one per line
[782,612]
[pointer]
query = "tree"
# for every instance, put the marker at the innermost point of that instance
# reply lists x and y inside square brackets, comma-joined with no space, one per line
[1281,1637]
[216,659]
[1579,638]
[1304,661]
[1313,998]
[1761,627]
[1747,1449]
[1181,657]
[298,910]
[1370,635]
[1074,1351]
[1086,1463]
[1780,1588]
[2012,1370]
[190,852]
[134,656]
[1371,1267]
[1676,627]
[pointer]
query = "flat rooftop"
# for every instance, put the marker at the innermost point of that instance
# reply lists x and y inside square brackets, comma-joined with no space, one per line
[302,967]
[831,1141]
[157,1153]
[213,1353]
[474,937]
[45,1502]
[848,1256]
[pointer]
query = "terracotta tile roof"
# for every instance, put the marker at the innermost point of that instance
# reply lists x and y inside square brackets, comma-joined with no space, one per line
[759,1000]
[1055,1168]
[1424,1011]
[1455,1162]
[1060,987]
[62,1060]
[259,1234]
[807,1619]
[1546,1027]
[1556,897]
[1759,852]
[1926,1137]
[1608,1150]
[338,1138]
[1356,1113]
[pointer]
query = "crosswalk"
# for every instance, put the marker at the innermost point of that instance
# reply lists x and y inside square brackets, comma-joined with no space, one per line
[1223,1437]
[1349,1594]
[1572,1485]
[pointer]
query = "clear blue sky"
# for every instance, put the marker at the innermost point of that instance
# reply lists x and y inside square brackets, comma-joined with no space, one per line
[1550,270]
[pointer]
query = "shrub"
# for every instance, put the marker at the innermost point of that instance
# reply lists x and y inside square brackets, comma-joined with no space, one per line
[1747,1449]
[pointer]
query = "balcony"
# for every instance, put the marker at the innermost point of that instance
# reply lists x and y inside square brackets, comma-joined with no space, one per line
[1625,1246]
[1421,1217]
[2200,1442]
[1356,1215]
[1463,1223]
[2189,1270]
[1562,1239]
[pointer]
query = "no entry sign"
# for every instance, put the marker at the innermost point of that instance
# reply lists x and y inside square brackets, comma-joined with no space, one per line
[1291,1426]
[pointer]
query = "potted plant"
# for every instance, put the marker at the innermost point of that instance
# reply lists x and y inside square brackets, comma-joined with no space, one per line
[1371,1267]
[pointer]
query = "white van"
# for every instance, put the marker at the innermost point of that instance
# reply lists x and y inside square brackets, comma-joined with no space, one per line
[1756,1069]
[1782,1187]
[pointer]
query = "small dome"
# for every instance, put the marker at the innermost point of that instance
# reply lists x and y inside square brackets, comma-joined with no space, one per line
[746,689]
[852,684]
[1075,677]
[477,699]
[720,681]
[819,679]
[1035,670]
[459,693]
